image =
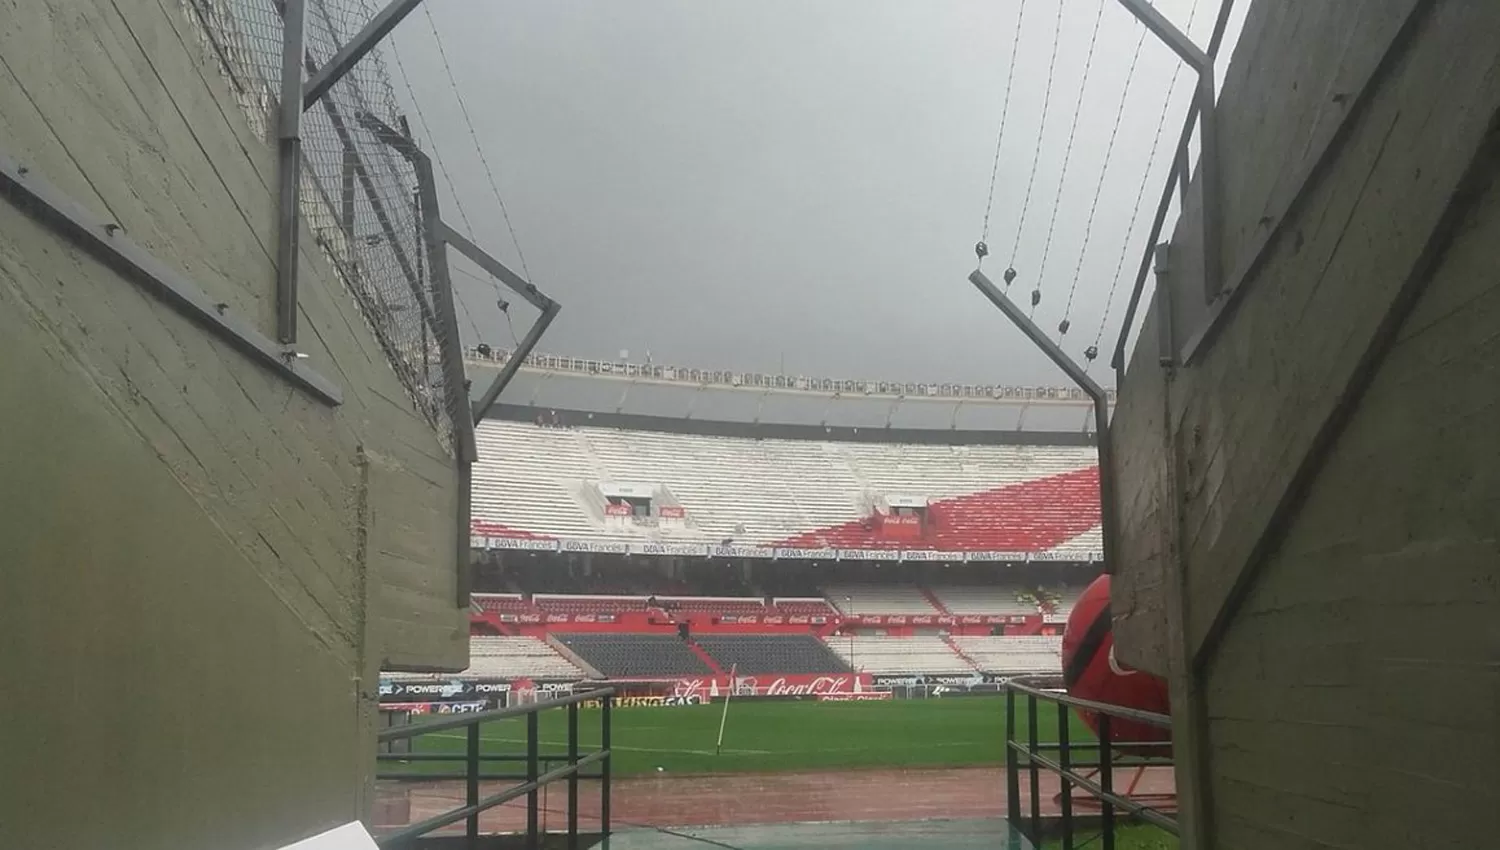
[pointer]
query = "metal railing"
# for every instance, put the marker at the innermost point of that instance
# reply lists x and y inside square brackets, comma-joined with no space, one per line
[530,782]
[1058,757]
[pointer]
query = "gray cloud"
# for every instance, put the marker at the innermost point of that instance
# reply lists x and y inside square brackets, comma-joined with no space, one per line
[742,185]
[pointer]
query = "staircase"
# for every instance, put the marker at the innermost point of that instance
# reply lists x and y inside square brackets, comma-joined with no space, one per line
[959,652]
[935,602]
[707,659]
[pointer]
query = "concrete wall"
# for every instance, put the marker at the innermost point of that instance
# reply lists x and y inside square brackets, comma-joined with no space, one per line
[204,567]
[1309,537]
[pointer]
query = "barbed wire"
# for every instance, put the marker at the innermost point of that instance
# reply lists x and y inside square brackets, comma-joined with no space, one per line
[1062,177]
[1141,189]
[484,161]
[1010,74]
[1088,227]
[1040,135]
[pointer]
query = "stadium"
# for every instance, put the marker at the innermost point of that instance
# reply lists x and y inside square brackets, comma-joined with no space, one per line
[332,521]
[851,558]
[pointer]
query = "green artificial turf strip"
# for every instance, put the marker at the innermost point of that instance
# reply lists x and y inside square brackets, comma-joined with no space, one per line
[771,736]
[1126,838]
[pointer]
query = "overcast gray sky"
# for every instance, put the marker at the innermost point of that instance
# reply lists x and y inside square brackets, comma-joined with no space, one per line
[747,184]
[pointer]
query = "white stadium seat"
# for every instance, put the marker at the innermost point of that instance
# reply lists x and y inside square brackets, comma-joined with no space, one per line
[543,481]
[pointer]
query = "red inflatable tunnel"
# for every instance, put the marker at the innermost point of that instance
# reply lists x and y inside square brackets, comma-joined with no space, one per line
[1090,672]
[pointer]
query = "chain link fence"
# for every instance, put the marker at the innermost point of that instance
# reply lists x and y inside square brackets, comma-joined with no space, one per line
[359,195]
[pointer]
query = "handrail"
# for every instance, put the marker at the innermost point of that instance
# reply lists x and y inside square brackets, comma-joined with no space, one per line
[529,783]
[1121,711]
[456,815]
[1065,767]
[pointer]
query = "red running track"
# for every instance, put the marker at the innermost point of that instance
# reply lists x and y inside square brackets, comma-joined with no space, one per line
[867,795]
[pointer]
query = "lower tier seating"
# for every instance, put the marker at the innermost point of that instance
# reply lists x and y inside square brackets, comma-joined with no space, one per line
[637,656]
[772,654]
[881,655]
[1013,655]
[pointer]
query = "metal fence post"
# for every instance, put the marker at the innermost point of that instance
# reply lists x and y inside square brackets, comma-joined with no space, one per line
[1012,764]
[605,769]
[1107,781]
[471,781]
[1065,758]
[1032,749]
[573,778]
[289,137]
[533,735]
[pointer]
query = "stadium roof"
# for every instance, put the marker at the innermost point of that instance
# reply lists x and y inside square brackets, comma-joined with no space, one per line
[644,389]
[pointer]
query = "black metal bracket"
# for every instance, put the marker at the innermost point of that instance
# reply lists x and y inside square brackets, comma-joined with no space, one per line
[442,236]
[349,55]
[1201,116]
[107,243]
[438,236]
[1107,508]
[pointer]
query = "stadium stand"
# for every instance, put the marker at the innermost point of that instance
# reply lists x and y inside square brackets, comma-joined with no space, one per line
[534,481]
[804,607]
[713,605]
[758,654]
[637,656]
[553,603]
[1013,655]
[883,655]
[1064,598]
[504,603]
[978,599]
[504,658]
[510,657]
[880,599]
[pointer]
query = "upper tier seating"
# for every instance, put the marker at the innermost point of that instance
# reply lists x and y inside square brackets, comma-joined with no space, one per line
[713,605]
[637,656]
[504,603]
[537,481]
[771,654]
[804,608]
[559,604]
[999,600]
[881,655]
[855,600]
[1013,655]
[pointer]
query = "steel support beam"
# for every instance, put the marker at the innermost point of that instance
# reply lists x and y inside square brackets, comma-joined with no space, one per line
[289,184]
[1169,34]
[349,55]
[442,237]
[513,363]
[1201,108]
[1108,508]
[438,236]
[517,284]
[1118,359]
[107,243]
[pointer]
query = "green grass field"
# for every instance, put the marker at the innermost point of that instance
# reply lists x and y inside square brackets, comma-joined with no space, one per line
[779,736]
[1126,838]
[765,736]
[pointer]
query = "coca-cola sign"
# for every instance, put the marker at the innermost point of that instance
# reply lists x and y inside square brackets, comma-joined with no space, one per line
[859,697]
[791,685]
